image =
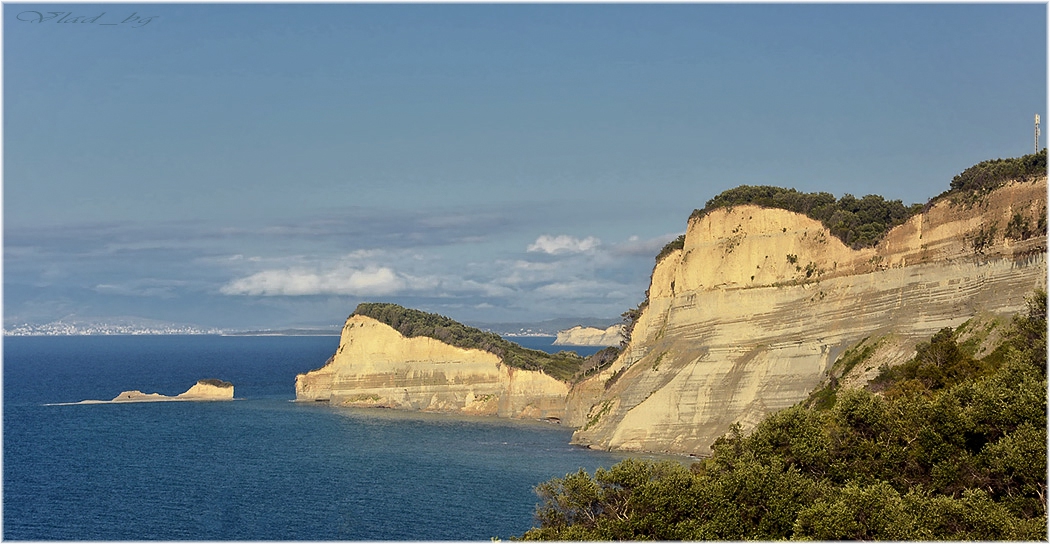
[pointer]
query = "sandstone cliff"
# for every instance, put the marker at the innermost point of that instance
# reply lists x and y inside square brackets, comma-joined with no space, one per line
[375,365]
[751,313]
[590,336]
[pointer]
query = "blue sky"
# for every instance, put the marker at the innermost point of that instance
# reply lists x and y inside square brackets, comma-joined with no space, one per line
[246,166]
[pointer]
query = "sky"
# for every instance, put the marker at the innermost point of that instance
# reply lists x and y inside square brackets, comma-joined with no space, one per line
[272,165]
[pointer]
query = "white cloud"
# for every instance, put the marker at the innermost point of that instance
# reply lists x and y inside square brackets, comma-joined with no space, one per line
[298,281]
[563,243]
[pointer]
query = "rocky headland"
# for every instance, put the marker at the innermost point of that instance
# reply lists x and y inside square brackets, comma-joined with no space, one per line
[590,336]
[377,365]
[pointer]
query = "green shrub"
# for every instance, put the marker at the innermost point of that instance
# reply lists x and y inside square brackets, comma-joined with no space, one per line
[986,176]
[857,222]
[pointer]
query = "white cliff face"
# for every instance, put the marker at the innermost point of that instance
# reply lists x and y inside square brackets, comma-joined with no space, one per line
[750,314]
[376,366]
[590,336]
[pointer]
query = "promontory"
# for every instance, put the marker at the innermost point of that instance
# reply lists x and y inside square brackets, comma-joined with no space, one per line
[395,357]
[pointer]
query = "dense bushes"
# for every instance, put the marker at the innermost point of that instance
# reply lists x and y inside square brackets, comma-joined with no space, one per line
[411,323]
[987,176]
[952,448]
[863,222]
[857,222]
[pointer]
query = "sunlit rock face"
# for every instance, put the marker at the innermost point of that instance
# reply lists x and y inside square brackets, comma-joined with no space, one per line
[750,314]
[376,366]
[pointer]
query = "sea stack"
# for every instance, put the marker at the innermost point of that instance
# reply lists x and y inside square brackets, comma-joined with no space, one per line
[204,390]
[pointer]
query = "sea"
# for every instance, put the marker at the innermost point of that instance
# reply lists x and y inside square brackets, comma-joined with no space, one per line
[261,467]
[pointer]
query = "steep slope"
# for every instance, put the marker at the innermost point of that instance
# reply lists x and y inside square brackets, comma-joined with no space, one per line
[375,365]
[748,316]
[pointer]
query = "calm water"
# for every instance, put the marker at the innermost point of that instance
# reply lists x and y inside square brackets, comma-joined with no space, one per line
[259,468]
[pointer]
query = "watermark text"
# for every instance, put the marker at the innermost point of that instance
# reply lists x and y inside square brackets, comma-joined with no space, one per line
[68,17]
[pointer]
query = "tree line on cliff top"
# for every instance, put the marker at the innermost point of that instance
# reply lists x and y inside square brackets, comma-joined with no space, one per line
[943,447]
[863,222]
[564,365]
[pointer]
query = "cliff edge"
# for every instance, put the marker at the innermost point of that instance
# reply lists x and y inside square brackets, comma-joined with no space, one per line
[750,314]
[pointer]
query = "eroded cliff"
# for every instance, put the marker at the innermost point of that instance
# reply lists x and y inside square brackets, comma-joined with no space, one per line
[759,303]
[376,366]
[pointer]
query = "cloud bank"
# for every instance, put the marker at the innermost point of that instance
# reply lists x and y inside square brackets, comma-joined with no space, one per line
[297,281]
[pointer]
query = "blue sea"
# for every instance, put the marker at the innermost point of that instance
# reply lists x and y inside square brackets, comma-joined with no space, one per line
[260,467]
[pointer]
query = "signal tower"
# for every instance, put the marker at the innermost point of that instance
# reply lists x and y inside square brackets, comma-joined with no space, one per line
[1037,133]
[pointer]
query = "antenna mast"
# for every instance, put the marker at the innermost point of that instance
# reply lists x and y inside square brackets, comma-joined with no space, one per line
[1037,133]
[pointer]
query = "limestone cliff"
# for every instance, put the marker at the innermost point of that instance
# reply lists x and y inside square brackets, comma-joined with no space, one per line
[590,336]
[375,365]
[751,313]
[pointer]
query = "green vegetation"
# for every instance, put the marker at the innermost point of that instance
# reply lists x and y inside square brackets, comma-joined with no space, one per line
[677,243]
[857,222]
[597,362]
[984,177]
[863,222]
[411,323]
[825,397]
[630,319]
[215,382]
[945,447]
[983,237]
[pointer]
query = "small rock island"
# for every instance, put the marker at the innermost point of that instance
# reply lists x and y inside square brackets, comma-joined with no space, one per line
[204,390]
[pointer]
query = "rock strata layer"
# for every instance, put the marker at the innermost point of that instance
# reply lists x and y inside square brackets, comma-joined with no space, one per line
[751,313]
[590,336]
[376,366]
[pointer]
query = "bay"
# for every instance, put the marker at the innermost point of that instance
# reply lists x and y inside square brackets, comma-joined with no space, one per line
[258,468]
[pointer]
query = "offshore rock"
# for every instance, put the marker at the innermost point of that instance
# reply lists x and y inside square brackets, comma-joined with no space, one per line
[749,316]
[204,390]
[376,366]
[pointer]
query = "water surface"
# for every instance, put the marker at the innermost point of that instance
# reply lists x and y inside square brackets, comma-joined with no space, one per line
[258,468]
